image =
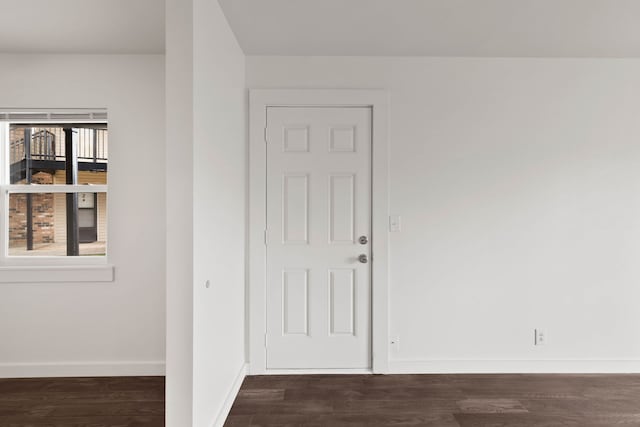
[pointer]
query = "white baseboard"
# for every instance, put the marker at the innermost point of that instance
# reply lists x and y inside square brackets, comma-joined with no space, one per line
[514,366]
[81,369]
[346,371]
[231,396]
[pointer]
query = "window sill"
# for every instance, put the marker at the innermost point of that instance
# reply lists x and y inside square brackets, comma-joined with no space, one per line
[57,274]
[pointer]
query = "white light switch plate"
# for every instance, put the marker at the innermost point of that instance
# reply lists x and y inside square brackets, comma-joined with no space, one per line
[394,223]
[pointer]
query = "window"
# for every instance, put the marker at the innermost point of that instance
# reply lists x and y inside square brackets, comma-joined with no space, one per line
[53,187]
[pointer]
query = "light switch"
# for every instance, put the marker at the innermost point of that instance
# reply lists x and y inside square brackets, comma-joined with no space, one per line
[394,223]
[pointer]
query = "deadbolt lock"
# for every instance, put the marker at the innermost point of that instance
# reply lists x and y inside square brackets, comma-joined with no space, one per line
[363,240]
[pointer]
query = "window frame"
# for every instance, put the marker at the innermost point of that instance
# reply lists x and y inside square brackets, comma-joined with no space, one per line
[14,265]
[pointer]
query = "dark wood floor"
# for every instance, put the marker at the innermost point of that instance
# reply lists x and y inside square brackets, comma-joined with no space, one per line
[439,401]
[82,402]
[339,400]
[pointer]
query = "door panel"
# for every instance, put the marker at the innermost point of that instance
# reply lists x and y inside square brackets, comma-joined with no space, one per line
[342,209]
[342,301]
[318,205]
[295,300]
[295,208]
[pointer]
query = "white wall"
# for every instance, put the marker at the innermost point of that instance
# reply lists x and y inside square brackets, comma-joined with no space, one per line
[206,214]
[179,211]
[97,328]
[219,211]
[518,183]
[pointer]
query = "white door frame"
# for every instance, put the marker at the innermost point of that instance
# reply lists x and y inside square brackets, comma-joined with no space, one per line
[259,100]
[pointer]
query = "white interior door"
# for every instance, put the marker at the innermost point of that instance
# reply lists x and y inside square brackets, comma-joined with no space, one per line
[318,209]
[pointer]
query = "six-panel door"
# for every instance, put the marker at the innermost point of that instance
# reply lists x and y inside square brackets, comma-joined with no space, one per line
[318,206]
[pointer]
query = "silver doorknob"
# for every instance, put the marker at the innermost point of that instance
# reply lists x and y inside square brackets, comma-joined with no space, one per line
[363,259]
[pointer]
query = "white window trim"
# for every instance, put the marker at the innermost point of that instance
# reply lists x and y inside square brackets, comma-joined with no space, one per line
[20,269]
[57,274]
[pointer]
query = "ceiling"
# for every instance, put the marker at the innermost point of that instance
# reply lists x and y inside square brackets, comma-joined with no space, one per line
[529,28]
[82,26]
[515,28]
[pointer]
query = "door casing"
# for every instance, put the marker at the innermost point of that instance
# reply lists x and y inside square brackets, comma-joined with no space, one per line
[259,100]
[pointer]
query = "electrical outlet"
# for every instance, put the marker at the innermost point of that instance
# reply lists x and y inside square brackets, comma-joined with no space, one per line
[540,338]
[395,344]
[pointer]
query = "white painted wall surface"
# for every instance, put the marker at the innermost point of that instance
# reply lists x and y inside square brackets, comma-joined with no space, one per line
[518,183]
[97,328]
[179,209]
[219,193]
[206,143]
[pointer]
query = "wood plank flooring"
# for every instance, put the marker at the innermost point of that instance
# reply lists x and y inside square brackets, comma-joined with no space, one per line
[439,401]
[82,402]
[339,400]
